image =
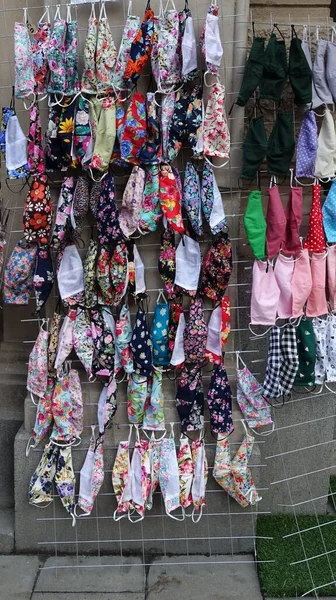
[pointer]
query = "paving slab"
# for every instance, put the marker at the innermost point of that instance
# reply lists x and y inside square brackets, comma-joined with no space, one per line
[17,576]
[217,577]
[110,574]
[88,596]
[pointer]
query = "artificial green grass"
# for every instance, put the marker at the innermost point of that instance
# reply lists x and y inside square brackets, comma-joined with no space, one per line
[280,578]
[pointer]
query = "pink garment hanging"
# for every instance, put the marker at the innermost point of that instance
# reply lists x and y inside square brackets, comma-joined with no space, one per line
[276,222]
[301,283]
[317,301]
[291,243]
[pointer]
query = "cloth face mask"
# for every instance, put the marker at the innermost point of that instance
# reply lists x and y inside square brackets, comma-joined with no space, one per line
[195,333]
[186,471]
[305,376]
[326,147]
[159,334]
[315,241]
[307,145]
[121,476]
[154,407]
[216,134]
[91,474]
[129,216]
[256,410]
[291,243]
[329,214]
[44,418]
[38,364]
[265,294]
[210,42]
[211,199]
[320,332]
[191,200]
[190,400]
[276,222]
[301,283]
[255,225]
[283,272]
[188,265]
[123,339]
[220,401]
[200,480]
[169,477]
[317,301]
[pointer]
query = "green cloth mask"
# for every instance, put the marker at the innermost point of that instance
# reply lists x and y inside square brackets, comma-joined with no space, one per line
[281,145]
[274,74]
[300,74]
[254,148]
[253,71]
[255,225]
[305,337]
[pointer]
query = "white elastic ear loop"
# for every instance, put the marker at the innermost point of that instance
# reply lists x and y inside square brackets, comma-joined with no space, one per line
[84,514]
[46,13]
[200,512]
[161,295]
[29,446]
[32,399]
[57,12]
[93,11]
[69,17]
[260,335]
[102,13]
[264,433]
[130,8]
[177,518]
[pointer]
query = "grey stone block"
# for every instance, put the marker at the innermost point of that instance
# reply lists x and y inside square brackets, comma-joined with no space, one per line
[8,430]
[89,596]
[211,577]
[17,575]
[92,574]
[6,531]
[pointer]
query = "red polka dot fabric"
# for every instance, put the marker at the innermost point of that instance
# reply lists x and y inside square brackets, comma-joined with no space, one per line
[315,240]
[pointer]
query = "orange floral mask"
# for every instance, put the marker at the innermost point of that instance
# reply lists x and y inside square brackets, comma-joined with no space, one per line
[37,212]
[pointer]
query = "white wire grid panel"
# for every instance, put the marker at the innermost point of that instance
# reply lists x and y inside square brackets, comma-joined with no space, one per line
[298,454]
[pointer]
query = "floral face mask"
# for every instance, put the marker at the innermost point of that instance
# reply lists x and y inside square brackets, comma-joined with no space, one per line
[107,215]
[220,401]
[103,339]
[186,122]
[23,59]
[150,213]
[141,345]
[216,134]
[112,275]
[200,480]
[89,79]
[131,202]
[153,418]
[159,333]
[256,410]
[43,280]
[130,30]
[63,211]
[91,292]
[151,151]
[170,198]
[138,391]
[61,406]
[106,54]
[186,471]
[210,42]
[141,48]
[34,148]
[195,333]
[211,199]
[18,274]
[44,418]
[190,400]
[65,344]
[166,64]
[37,212]
[169,476]
[53,340]
[167,261]
[82,340]
[91,474]
[134,130]
[121,476]
[123,339]
[191,201]
[80,205]
[83,142]
[138,488]
[38,364]
[217,268]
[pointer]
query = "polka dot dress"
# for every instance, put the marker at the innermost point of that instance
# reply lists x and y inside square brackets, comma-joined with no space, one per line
[315,241]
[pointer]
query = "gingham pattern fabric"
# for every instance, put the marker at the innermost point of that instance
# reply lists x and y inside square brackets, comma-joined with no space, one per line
[271,383]
[289,359]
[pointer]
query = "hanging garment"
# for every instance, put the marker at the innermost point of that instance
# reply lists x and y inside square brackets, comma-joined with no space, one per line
[39,47]
[43,279]
[291,243]
[307,146]
[265,294]
[253,70]
[138,391]
[123,339]
[198,488]
[70,276]
[331,275]
[213,351]
[211,199]
[306,347]
[300,73]
[301,283]
[167,261]
[56,56]
[129,216]
[141,48]
[138,484]
[19,272]
[54,333]
[283,272]
[37,379]
[282,363]
[195,333]
[133,131]
[186,121]
[190,400]
[317,301]
[320,333]
[150,213]
[330,370]
[82,340]
[151,152]
[141,345]
[37,212]
[107,215]
[107,405]
[281,145]
[319,72]
[103,114]
[111,273]
[328,213]
[169,476]
[65,344]
[186,471]
[91,474]
[210,42]
[159,333]
[170,197]
[234,474]
[188,265]
[35,152]
[130,30]
[105,54]
[167,111]
[276,222]
[188,46]
[121,476]
[23,60]
[82,139]
[250,397]
[275,69]
[255,225]
[217,268]
[16,147]
[325,165]
[271,385]
[80,205]
[154,418]
[216,134]
[89,78]
[63,212]
[61,406]
[178,354]
[72,83]
[44,418]
[254,148]
[315,241]
[330,65]
[191,199]
[219,400]
[166,64]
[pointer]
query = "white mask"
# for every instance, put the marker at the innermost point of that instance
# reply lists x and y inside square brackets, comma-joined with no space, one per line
[70,276]
[316,102]
[178,356]
[188,263]
[139,267]
[189,47]
[326,148]
[85,497]
[213,44]
[214,343]
[169,476]
[217,213]
[319,73]
[331,66]
[16,145]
